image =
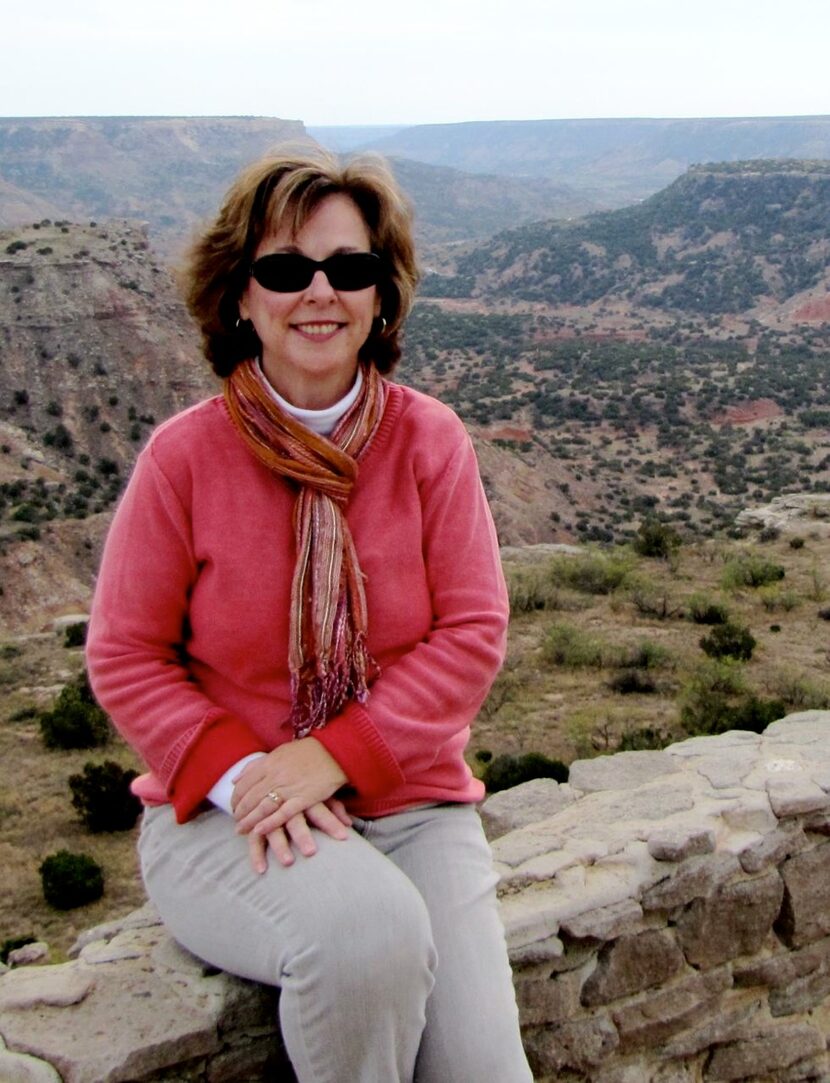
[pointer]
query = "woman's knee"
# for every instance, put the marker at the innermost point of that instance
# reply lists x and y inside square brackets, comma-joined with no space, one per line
[378,936]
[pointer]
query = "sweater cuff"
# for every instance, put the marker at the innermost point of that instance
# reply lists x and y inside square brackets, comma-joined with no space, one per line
[219,745]
[367,761]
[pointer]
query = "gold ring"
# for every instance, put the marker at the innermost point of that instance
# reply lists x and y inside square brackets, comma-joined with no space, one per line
[275,797]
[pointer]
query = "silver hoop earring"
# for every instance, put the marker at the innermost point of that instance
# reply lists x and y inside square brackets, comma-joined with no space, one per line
[382,326]
[238,323]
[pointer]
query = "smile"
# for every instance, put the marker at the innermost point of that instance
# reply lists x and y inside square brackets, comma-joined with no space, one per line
[320,329]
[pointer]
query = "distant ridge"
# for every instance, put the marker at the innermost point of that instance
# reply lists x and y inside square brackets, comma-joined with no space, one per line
[612,161]
[167,171]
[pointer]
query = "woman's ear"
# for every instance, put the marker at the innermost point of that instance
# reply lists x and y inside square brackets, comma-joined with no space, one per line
[243,306]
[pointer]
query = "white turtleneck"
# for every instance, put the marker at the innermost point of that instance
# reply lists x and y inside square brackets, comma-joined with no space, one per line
[323,422]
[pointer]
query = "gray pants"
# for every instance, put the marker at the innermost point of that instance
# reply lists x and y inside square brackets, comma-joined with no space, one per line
[387,948]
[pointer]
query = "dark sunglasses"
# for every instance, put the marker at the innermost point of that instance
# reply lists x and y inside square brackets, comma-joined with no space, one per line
[289,272]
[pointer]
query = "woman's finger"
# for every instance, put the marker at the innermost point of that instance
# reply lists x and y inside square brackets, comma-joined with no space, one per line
[280,847]
[256,852]
[325,820]
[339,810]
[257,797]
[267,816]
[300,834]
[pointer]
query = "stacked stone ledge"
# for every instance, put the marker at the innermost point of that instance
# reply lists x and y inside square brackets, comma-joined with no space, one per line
[667,916]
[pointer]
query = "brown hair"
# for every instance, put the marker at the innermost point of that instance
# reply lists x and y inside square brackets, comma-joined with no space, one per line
[287,188]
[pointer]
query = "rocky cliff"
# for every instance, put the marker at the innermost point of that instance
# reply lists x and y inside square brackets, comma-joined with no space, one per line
[95,348]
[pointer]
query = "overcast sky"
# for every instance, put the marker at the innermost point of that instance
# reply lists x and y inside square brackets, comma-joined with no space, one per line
[426,61]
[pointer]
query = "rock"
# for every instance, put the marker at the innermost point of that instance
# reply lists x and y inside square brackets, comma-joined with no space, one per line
[805,914]
[606,922]
[134,1016]
[772,848]
[657,1016]
[581,1044]
[21,1068]
[44,986]
[144,918]
[60,624]
[734,921]
[631,964]
[625,771]
[552,999]
[28,954]
[793,796]
[528,803]
[676,844]
[760,1056]
[695,878]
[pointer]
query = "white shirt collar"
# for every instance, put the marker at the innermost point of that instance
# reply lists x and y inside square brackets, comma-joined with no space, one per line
[323,422]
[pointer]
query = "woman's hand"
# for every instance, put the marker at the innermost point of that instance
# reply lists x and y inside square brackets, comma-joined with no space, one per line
[292,779]
[329,816]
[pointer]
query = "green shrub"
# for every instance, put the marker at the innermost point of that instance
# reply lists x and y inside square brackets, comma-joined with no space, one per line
[647,655]
[701,609]
[751,571]
[530,589]
[656,539]
[591,573]
[74,635]
[567,645]
[729,641]
[706,698]
[797,542]
[755,714]
[76,720]
[774,599]
[797,691]
[71,880]
[655,601]
[629,681]
[103,799]
[503,772]
[643,739]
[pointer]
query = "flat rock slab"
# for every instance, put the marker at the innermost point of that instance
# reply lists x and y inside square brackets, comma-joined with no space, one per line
[128,1012]
[624,771]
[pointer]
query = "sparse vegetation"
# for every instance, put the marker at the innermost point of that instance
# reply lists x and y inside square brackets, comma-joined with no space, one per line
[729,641]
[102,797]
[76,720]
[71,880]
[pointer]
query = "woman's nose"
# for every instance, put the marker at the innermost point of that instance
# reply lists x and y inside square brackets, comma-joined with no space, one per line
[320,288]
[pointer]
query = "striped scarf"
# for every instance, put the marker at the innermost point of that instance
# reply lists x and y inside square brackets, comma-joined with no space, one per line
[327,654]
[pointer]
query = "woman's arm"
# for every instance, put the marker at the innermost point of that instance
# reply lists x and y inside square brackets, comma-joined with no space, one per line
[135,645]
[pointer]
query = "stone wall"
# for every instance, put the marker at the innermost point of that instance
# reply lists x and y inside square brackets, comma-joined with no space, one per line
[667,914]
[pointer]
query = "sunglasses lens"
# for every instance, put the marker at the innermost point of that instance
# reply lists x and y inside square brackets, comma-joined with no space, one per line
[283,272]
[354,271]
[288,272]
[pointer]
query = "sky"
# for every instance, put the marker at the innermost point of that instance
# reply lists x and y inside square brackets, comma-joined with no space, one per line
[331,62]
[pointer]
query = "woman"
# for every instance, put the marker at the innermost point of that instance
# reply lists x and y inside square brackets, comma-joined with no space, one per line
[299,612]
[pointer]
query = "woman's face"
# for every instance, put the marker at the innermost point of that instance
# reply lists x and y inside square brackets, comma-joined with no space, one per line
[310,339]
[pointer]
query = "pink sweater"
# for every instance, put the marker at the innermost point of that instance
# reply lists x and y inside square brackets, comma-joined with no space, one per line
[187,644]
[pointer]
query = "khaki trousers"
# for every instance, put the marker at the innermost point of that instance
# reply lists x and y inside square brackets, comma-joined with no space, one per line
[387,947]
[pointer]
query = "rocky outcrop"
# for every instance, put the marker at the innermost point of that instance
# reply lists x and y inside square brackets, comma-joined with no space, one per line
[667,916]
[796,512]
